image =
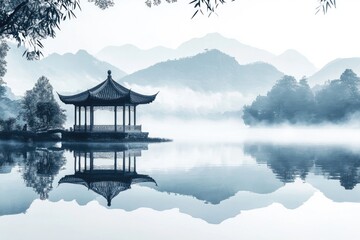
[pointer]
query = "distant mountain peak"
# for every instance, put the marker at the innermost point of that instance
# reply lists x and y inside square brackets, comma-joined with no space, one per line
[290,52]
[209,70]
[214,52]
[67,73]
[131,58]
[82,52]
[334,69]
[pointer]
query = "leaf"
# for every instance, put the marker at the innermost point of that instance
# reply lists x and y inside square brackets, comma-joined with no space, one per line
[195,13]
[40,44]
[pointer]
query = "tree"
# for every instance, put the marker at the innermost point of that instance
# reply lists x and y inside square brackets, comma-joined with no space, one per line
[339,98]
[8,125]
[288,100]
[30,21]
[3,52]
[40,109]
[48,114]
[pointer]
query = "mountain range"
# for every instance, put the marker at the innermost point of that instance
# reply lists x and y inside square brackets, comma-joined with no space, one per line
[131,58]
[334,69]
[208,71]
[67,73]
[195,64]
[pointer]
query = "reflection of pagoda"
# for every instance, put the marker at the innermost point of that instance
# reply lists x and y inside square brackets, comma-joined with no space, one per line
[107,171]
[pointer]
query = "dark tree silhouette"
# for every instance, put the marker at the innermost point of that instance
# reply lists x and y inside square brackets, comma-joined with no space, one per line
[30,21]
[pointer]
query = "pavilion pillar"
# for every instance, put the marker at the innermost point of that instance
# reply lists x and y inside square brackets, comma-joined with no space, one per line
[123,161]
[115,118]
[123,118]
[129,163]
[75,163]
[79,118]
[85,167]
[129,115]
[115,161]
[135,115]
[91,161]
[91,118]
[85,118]
[75,120]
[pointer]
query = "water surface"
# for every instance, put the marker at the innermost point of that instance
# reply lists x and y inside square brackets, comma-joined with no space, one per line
[179,190]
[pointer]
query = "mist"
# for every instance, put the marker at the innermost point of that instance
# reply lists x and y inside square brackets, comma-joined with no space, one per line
[185,115]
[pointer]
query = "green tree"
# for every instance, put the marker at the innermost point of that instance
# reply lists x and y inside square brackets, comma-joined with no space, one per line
[40,109]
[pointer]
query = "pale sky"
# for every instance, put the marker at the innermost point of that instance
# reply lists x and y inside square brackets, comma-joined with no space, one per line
[275,26]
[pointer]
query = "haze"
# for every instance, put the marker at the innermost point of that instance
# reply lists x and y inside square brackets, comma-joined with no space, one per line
[272,25]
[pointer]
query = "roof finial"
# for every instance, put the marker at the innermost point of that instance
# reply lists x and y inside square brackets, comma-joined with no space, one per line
[109,73]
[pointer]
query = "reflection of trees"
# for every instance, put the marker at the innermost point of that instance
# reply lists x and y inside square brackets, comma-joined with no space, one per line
[286,162]
[10,155]
[343,165]
[290,162]
[39,170]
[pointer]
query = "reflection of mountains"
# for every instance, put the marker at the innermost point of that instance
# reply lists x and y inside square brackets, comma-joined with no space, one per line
[217,183]
[213,193]
[290,162]
[106,180]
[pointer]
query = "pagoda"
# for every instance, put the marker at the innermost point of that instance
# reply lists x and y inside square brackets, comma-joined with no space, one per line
[92,169]
[107,95]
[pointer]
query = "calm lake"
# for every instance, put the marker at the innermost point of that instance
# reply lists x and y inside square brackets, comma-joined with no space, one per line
[179,190]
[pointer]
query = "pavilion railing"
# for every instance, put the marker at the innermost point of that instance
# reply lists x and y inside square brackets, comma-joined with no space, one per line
[107,128]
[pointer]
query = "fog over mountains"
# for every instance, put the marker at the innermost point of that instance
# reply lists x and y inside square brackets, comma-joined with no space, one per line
[130,58]
[208,71]
[334,69]
[67,73]
[207,75]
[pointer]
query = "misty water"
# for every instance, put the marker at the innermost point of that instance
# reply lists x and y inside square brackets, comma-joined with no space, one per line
[254,188]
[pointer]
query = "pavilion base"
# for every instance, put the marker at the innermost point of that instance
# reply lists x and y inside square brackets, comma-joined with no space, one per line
[103,136]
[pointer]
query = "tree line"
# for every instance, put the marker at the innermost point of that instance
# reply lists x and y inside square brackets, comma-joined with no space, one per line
[291,101]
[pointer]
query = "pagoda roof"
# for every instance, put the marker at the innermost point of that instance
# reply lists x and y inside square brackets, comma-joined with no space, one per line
[107,93]
[107,183]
